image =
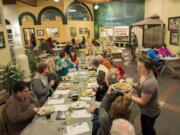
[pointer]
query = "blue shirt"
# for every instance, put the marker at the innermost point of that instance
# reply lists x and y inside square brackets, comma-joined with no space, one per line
[65,70]
[152,54]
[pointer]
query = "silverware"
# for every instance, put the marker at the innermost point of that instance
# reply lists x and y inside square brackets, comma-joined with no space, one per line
[77,124]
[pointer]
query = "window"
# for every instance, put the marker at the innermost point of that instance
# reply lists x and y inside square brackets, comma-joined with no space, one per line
[51,15]
[27,18]
[78,12]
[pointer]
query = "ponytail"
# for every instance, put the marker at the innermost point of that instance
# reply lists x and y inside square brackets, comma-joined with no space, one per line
[149,65]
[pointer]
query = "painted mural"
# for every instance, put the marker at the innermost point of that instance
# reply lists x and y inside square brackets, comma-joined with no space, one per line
[118,14]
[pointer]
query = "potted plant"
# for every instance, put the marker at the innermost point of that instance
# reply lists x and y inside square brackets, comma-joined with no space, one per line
[9,75]
[32,61]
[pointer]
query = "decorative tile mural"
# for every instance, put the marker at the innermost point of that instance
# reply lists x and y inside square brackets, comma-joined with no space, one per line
[118,14]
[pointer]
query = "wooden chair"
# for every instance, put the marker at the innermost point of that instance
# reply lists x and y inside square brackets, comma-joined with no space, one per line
[3,125]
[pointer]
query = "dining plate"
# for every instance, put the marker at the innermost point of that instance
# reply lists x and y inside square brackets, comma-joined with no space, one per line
[78,105]
[45,110]
[88,93]
[65,86]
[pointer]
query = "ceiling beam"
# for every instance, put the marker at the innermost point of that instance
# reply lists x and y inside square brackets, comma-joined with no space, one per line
[9,2]
[96,1]
[29,2]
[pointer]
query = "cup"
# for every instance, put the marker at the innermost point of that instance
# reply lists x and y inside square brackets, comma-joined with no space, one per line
[48,116]
[68,118]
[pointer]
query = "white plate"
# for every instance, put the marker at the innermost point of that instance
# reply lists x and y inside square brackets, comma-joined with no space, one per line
[45,110]
[90,91]
[79,105]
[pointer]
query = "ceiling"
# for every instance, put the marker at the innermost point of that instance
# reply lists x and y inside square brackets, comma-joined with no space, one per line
[9,1]
[103,1]
[29,2]
[34,2]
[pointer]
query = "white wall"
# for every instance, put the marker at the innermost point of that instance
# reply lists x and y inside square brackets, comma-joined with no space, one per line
[5,56]
[10,14]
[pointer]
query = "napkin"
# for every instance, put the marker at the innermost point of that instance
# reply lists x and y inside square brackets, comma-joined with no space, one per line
[80,114]
[85,98]
[55,101]
[61,92]
[62,108]
[92,85]
[77,128]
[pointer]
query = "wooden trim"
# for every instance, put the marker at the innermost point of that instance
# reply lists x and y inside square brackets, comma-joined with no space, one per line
[29,3]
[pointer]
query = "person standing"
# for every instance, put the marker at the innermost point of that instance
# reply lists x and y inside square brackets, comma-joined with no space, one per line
[147,90]
[33,41]
[134,45]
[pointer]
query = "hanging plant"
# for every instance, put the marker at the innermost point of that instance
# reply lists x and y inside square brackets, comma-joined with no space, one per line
[9,75]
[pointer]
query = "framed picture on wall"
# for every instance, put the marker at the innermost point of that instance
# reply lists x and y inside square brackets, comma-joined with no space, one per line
[174,38]
[52,32]
[83,30]
[40,32]
[73,31]
[2,41]
[174,23]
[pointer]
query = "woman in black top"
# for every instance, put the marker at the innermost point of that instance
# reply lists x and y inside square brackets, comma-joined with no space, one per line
[102,89]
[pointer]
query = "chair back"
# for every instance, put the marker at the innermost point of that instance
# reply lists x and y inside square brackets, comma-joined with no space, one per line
[3,125]
[33,94]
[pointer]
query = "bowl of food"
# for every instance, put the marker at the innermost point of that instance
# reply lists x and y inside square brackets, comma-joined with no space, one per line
[45,110]
[122,87]
[92,74]
[66,78]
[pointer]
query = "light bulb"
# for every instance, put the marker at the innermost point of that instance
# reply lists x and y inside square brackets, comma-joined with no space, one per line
[96,7]
[56,0]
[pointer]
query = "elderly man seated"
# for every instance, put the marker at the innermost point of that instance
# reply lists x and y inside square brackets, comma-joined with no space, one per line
[19,109]
[122,127]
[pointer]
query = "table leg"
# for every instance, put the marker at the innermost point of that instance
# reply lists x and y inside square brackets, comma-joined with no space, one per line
[163,68]
[171,68]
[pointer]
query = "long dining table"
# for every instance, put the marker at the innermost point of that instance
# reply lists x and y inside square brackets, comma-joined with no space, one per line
[81,120]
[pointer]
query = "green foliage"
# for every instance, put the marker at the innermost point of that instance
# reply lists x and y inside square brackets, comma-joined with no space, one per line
[9,75]
[32,61]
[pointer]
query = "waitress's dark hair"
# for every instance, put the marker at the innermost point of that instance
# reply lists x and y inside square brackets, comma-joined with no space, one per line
[149,65]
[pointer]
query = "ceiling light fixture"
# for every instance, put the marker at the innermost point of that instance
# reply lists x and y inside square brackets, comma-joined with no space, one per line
[56,0]
[96,7]
[72,10]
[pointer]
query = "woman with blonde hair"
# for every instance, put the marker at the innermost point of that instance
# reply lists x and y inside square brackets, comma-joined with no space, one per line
[51,65]
[89,58]
[53,72]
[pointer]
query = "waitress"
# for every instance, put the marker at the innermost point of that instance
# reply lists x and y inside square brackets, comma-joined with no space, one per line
[147,90]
